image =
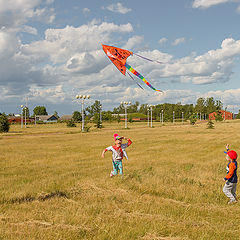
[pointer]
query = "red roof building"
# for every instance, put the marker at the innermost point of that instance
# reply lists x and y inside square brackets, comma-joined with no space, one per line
[225,115]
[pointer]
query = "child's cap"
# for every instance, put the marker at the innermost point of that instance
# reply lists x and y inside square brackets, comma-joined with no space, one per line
[116,137]
[232,154]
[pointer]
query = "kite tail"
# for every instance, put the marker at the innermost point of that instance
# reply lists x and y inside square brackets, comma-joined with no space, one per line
[148,59]
[141,77]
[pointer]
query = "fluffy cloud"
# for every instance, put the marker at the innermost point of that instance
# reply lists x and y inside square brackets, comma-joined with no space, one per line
[117,8]
[86,11]
[61,44]
[211,67]
[178,41]
[71,58]
[162,40]
[18,12]
[209,3]
[70,55]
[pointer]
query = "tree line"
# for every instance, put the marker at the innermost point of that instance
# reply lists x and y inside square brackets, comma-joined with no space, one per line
[203,108]
[136,110]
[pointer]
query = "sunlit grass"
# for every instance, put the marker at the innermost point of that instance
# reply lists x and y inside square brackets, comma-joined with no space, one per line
[55,185]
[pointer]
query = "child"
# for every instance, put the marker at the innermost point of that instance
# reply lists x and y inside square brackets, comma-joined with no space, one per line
[118,152]
[230,179]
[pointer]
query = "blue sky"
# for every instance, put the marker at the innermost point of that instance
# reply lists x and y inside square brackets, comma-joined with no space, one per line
[50,51]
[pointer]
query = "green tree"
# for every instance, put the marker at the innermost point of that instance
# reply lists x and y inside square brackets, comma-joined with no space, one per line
[133,108]
[4,123]
[218,105]
[120,109]
[210,105]
[238,115]
[107,116]
[118,118]
[40,110]
[130,118]
[193,119]
[96,120]
[200,106]
[94,108]
[25,110]
[77,117]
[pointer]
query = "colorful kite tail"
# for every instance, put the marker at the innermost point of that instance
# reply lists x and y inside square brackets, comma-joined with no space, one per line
[141,77]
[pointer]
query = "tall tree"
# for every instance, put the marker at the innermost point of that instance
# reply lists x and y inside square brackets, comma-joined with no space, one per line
[94,108]
[200,106]
[219,105]
[40,110]
[210,105]
[25,110]
[77,117]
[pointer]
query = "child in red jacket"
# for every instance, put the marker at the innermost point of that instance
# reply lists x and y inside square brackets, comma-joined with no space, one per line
[230,179]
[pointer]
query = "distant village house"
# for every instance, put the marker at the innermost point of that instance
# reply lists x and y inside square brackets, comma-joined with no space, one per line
[225,115]
[46,118]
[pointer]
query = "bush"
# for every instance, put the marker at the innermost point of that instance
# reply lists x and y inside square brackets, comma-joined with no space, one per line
[193,119]
[71,123]
[210,124]
[4,124]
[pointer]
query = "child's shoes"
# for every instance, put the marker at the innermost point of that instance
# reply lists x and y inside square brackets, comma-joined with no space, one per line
[232,201]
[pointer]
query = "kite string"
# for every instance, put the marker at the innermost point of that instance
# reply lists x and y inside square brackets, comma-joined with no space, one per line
[147,58]
[135,81]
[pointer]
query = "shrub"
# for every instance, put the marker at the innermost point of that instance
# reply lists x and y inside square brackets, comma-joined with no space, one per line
[4,124]
[71,123]
[210,124]
[193,119]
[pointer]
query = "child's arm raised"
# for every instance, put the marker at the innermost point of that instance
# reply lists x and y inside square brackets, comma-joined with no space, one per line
[128,139]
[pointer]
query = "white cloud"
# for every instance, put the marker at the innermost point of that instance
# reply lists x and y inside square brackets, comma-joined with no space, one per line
[61,44]
[51,94]
[75,51]
[238,9]
[86,11]
[117,8]
[209,3]
[72,57]
[133,42]
[29,29]
[178,41]
[14,13]
[49,2]
[211,67]
[162,40]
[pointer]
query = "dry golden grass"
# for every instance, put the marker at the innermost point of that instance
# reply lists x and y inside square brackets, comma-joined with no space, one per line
[55,185]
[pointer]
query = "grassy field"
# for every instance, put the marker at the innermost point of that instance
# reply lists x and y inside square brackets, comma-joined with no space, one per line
[55,185]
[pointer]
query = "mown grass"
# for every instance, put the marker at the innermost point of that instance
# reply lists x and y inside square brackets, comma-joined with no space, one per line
[55,185]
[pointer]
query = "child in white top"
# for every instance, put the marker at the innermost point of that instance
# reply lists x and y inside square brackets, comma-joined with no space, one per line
[118,152]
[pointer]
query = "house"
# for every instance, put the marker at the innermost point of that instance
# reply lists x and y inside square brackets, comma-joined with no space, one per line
[65,117]
[46,118]
[19,119]
[225,115]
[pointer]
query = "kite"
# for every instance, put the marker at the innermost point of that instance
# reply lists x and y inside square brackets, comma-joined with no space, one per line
[119,57]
